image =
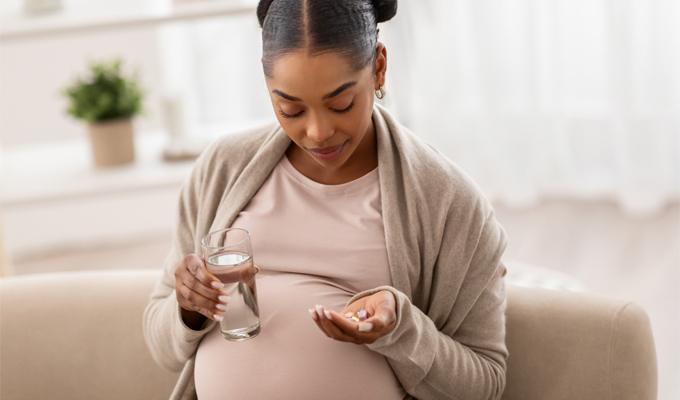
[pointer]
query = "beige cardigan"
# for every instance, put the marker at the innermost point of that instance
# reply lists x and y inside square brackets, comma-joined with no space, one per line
[444,248]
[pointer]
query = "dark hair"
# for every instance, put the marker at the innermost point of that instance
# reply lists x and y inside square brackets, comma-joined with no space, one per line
[346,26]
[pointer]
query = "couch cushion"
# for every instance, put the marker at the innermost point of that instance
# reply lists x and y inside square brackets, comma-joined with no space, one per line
[78,335]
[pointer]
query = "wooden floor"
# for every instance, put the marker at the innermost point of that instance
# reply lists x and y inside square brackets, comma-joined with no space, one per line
[627,257]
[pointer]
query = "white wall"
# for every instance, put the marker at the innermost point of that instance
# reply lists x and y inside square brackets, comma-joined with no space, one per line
[33,73]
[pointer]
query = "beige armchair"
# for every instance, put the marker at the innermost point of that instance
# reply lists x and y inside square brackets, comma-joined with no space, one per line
[79,336]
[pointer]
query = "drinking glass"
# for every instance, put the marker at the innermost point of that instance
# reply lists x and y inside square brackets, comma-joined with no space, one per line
[228,255]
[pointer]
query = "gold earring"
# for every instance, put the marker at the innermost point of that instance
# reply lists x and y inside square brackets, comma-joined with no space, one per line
[380,93]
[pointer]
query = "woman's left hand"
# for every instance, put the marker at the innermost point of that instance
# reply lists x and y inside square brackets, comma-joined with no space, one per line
[380,319]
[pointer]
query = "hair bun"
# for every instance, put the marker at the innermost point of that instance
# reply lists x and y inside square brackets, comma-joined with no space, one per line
[262,8]
[385,10]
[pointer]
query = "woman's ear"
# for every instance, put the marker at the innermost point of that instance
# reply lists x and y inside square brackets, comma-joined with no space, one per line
[380,65]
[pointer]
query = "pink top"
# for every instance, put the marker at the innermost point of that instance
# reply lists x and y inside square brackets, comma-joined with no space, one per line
[316,244]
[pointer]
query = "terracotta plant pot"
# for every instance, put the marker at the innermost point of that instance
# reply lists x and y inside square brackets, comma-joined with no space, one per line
[112,142]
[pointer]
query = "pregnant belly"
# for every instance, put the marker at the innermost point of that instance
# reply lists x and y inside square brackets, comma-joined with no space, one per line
[291,358]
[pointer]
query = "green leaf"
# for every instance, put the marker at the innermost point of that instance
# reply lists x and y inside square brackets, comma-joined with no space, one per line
[105,94]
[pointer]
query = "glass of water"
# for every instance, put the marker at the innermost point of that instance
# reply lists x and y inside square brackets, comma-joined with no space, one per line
[228,255]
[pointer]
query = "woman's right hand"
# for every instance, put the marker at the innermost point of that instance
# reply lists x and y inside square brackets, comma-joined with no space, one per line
[198,292]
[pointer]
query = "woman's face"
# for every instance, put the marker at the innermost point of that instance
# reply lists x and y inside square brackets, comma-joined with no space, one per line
[323,105]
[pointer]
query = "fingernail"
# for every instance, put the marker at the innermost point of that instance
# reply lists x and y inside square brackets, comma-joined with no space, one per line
[224,298]
[319,311]
[362,314]
[221,307]
[348,315]
[218,317]
[313,314]
[327,314]
[217,285]
[365,327]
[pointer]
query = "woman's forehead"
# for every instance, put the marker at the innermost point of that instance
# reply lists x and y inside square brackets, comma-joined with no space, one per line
[301,74]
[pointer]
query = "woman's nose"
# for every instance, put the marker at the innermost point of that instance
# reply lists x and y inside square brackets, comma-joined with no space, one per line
[319,130]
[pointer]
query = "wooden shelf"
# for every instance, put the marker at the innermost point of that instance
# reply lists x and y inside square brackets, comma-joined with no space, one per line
[63,170]
[142,14]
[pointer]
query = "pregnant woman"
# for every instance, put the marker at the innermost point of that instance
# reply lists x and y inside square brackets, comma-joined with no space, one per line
[347,210]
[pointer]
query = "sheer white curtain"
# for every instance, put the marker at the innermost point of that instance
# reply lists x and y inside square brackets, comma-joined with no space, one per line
[533,98]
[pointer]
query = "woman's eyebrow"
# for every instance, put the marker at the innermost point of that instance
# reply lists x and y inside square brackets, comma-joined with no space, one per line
[332,94]
[339,90]
[286,96]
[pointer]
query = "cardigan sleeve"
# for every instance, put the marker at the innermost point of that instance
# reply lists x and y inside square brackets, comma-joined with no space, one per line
[457,360]
[169,340]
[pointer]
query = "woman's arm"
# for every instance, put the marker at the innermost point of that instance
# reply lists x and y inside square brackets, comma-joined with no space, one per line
[465,357]
[171,339]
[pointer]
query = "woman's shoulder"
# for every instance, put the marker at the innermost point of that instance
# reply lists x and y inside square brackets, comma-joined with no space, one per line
[234,150]
[446,196]
[440,178]
[241,144]
[432,177]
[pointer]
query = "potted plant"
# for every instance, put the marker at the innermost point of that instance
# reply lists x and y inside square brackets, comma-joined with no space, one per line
[107,100]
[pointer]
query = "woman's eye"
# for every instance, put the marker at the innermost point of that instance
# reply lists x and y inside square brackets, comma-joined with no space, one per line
[299,113]
[286,115]
[344,110]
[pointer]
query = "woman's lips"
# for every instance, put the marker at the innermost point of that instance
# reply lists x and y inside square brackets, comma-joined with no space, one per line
[328,153]
[327,150]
